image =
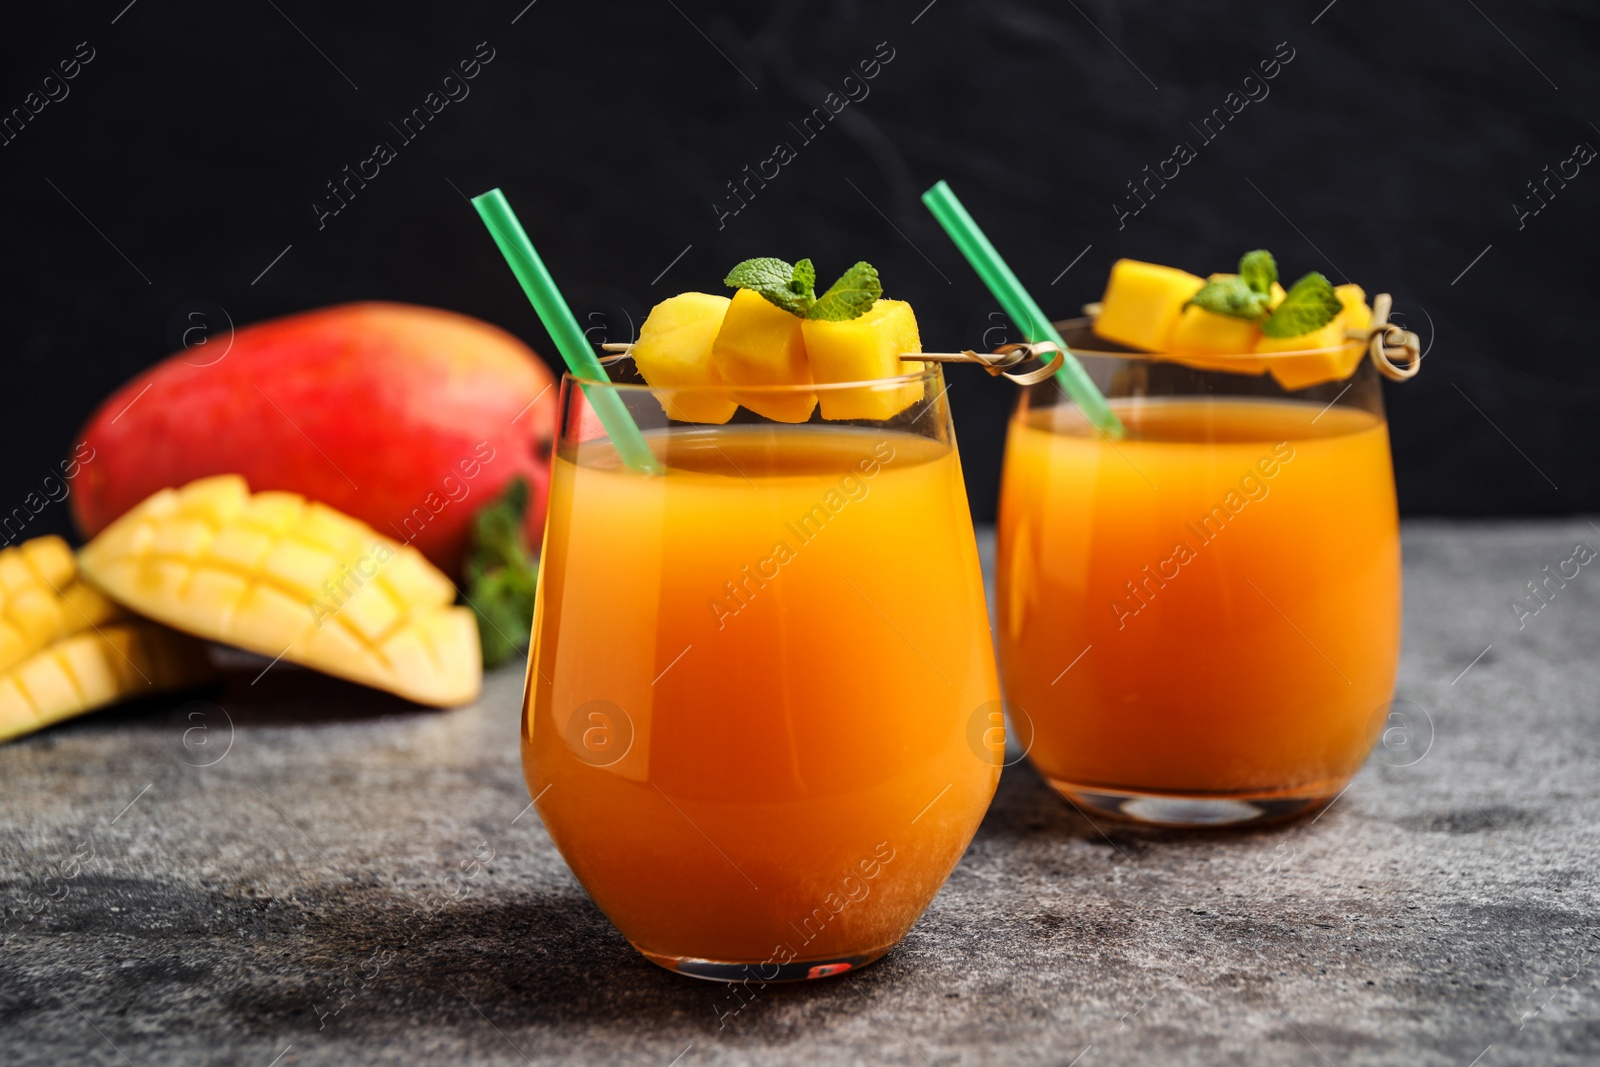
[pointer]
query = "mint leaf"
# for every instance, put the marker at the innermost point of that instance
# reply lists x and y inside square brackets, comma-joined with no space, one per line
[850,297]
[1232,297]
[1310,305]
[1259,270]
[785,286]
[760,274]
[804,282]
[501,579]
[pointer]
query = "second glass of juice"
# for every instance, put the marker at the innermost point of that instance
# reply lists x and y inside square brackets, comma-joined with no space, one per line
[1201,620]
[754,676]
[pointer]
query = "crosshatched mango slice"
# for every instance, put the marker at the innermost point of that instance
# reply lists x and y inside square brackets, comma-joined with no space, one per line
[282,576]
[41,600]
[97,666]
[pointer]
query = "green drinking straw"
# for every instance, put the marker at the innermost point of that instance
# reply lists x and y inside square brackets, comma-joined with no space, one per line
[1019,305]
[557,317]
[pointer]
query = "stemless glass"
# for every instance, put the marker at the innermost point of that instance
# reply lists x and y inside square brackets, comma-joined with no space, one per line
[753,675]
[1202,619]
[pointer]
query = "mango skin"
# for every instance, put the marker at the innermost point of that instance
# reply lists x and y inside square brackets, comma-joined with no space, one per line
[673,352]
[762,344]
[1142,303]
[407,418]
[287,578]
[860,350]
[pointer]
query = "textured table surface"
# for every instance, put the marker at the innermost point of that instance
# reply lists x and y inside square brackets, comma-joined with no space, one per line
[230,883]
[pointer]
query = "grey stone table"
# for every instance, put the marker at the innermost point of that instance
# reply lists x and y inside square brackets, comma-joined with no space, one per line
[320,875]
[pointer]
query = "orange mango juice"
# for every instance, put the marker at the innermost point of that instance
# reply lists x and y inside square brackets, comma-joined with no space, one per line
[750,689]
[1209,606]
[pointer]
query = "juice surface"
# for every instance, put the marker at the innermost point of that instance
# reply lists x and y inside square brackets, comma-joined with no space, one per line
[1233,570]
[751,687]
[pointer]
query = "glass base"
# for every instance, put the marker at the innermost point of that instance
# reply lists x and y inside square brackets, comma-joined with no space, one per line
[763,972]
[1194,809]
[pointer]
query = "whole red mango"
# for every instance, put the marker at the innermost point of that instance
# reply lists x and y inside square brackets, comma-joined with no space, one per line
[408,418]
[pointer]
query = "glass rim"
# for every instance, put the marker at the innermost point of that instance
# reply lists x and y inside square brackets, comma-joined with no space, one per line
[931,371]
[1082,323]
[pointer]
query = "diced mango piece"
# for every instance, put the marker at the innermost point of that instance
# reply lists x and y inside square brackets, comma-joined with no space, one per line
[96,667]
[274,572]
[673,353]
[1209,341]
[1142,303]
[762,344]
[1329,336]
[1323,355]
[41,600]
[1200,331]
[860,350]
[1357,315]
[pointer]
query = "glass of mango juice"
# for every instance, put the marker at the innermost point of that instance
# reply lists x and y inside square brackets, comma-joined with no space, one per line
[1201,616]
[753,670]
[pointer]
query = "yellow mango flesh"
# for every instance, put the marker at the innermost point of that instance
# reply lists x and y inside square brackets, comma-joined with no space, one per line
[1357,315]
[279,575]
[41,600]
[1325,356]
[96,667]
[673,353]
[762,344]
[1199,330]
[861,350]
[1142,303]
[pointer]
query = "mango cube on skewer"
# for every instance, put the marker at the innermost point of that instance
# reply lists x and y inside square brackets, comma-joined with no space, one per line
[1200,331]
[762,344]
[282,576]
[673,354]
[1357,315]
[1142,303]
[1323,355]
[861,350]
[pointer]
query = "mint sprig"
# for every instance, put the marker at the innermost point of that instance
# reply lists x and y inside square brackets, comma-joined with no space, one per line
[1310,305]
[789,286]
[850,297]
[1258,270]
[1231,296]
[1245,295]
[500,576]
[793,288]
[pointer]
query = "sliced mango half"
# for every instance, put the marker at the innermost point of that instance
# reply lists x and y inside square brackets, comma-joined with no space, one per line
[41,600]
[282,576]
[96,667]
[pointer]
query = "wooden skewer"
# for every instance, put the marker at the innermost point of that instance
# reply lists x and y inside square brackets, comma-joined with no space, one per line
[996,363]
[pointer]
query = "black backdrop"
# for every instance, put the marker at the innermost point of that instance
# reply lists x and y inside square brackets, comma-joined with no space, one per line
[1392,148]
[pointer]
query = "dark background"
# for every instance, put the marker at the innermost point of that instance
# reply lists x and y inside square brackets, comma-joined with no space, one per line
[1390,152]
